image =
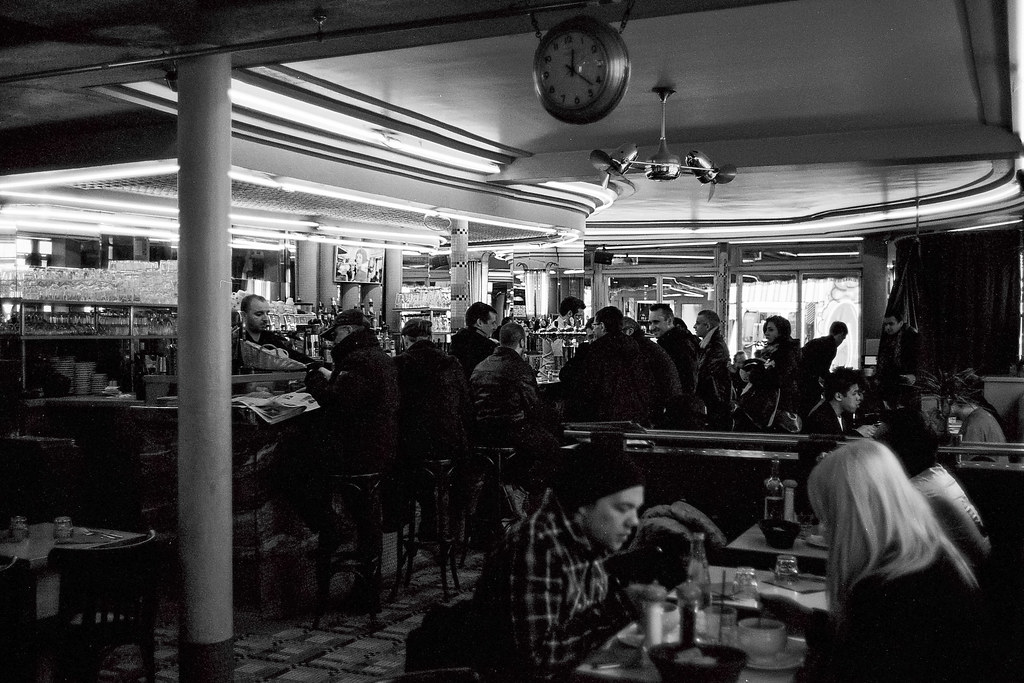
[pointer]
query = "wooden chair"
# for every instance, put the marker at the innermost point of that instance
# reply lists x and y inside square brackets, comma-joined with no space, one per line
[360,496]
[17,610]
[430,481]
[108,597]
[487,503]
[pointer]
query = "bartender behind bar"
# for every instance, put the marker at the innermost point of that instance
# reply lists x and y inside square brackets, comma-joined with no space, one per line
[256,328]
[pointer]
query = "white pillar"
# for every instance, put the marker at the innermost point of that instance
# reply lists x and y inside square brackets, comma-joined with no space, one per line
[392,286]
[459,271]
[204,385]
[307,255]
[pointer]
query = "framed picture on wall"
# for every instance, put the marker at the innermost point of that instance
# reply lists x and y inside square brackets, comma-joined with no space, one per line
[358,264]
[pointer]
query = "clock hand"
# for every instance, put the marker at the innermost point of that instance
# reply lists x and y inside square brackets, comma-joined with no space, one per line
[585,79]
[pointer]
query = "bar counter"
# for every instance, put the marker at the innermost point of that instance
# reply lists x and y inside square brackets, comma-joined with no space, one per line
[112,463]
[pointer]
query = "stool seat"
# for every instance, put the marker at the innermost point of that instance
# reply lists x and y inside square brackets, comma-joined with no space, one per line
[358,496]
[430,483]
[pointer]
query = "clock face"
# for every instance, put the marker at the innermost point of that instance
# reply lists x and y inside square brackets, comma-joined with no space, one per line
[580,70]
[574,70]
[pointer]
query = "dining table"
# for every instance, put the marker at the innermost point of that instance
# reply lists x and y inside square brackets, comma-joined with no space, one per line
[751,548]
[621,658]
[36,547]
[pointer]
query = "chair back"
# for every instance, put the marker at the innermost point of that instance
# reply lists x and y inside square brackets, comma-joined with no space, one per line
[16,616]
[108,594]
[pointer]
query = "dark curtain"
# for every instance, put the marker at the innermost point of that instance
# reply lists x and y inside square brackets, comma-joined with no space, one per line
[904,297]
[969,298]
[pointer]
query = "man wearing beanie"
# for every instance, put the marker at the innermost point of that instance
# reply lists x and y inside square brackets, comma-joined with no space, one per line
[545,587]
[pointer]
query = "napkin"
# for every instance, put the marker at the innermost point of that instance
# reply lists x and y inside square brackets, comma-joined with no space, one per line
[804,584]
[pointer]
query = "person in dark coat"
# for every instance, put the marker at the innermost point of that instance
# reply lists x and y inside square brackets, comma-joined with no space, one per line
[473,342]
[757,402]
[898,351]
[607,379]
[844,389]
[666,391]
[714,386]
[358,418]
[509,412]
[816,362]
[781,356]
[354,431]
[680,344]
[435,412]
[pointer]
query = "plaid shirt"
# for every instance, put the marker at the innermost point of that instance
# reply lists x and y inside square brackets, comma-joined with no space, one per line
[551,589]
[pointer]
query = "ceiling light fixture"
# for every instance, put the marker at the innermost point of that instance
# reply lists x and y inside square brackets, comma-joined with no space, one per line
[424,237]
[381,245]
[291,110]
[79,200]
[86,175]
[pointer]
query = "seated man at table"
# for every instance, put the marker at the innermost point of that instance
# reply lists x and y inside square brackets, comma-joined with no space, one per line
[545,589]
[834,413]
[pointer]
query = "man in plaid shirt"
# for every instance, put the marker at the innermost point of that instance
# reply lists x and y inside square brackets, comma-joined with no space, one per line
[546,586]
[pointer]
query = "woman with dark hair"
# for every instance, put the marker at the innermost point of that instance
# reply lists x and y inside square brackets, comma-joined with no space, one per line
[781,356]
[904,603]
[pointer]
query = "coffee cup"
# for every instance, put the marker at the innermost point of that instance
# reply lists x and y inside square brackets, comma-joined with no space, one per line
[762,638]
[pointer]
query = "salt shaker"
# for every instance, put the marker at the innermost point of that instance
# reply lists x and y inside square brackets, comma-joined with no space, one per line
[654,611]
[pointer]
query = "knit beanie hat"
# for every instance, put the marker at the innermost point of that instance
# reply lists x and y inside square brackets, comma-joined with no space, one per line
[592,472]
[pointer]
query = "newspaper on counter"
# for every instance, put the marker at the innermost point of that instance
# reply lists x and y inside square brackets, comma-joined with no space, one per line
[274,409]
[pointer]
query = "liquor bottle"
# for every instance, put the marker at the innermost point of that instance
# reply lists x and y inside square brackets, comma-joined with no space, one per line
[371,314]
[774,494]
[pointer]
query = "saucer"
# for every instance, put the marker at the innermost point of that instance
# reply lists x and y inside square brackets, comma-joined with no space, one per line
[790,658]
[631,636]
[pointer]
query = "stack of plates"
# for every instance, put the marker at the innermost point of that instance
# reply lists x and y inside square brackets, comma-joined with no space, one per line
[64,365]
[99,383]
[83,378]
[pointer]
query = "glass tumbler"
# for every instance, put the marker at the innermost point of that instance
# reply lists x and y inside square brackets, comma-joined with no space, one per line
[785,569]
[744,584]
[62,528]
[19,529]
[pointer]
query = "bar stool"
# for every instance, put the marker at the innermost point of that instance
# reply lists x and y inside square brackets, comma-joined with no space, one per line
[359,496]
[431,482]
[490,462]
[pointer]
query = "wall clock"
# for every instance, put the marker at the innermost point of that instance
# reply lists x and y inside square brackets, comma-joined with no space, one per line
[581,70]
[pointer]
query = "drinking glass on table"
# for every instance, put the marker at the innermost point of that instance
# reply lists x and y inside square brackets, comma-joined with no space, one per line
[786,570]
[62,528]
[744,584]
[719,626]
[19,529]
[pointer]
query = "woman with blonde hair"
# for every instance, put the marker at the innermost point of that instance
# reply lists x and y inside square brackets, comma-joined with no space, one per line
[904,603]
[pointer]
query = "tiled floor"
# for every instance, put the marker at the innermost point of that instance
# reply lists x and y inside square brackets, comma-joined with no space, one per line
[346,648]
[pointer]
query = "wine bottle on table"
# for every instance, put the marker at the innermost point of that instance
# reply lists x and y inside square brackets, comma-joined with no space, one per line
[774,494]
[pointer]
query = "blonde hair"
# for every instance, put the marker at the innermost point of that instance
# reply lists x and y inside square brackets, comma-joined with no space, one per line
[877,524]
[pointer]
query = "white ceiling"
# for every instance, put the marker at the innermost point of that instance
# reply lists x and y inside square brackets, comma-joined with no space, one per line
[827,108]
